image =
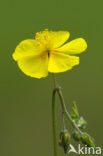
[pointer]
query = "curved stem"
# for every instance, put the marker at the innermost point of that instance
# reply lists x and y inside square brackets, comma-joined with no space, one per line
[64,112]
[58,89]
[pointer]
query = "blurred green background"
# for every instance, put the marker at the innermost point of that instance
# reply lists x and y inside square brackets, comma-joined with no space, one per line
[25,103]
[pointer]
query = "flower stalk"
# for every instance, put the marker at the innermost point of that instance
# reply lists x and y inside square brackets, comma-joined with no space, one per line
[57,89]
[54,122]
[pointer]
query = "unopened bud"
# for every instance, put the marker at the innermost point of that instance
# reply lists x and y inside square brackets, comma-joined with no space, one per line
[76,135]
[64,140]
[86,139]
[81,123]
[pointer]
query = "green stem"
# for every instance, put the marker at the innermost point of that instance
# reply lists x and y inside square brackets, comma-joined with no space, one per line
[58,89]
[64,112]
[54,122]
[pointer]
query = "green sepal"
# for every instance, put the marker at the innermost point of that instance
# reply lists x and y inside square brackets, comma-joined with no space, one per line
[74,114]
[64,140]
[87,139]
[76,135]
[81,123]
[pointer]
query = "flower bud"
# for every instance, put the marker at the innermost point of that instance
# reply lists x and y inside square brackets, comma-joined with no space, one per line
[64,140]
[86,139]
[76,135]
[81,123]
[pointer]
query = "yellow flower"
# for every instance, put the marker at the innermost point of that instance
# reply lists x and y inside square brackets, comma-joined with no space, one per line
[48,53]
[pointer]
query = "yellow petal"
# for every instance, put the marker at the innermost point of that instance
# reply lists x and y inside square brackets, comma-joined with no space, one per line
[59,62]
[29,47]
[76,46]
[52,39]
[34,66]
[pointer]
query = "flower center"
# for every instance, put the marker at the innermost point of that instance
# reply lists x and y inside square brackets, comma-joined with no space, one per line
[48,51]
